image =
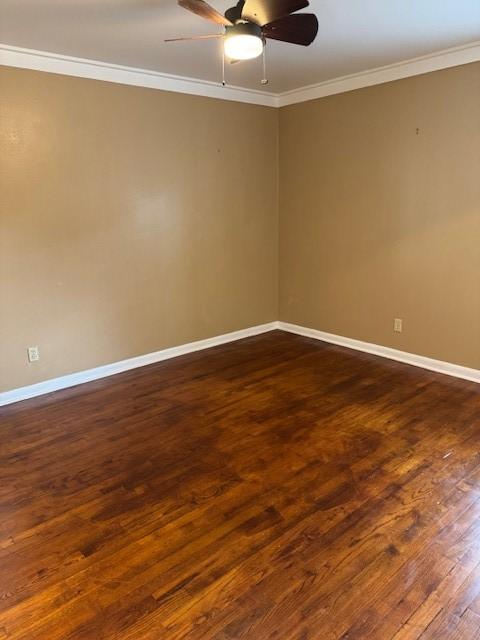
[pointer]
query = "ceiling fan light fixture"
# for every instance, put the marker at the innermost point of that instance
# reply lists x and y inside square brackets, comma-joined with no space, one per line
[243,41]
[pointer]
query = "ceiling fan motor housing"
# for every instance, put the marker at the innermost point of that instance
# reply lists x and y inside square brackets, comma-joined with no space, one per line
[244,29]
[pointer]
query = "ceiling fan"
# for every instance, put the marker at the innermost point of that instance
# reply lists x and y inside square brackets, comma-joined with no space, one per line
[249,23]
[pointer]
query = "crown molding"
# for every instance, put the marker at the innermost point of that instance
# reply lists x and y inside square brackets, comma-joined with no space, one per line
[397,71]
[12,56]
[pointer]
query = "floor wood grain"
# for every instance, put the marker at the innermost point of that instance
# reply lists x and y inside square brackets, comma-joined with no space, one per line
[275,488]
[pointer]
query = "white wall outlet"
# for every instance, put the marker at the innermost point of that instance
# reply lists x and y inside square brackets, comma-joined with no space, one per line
[33,354]
[398,325]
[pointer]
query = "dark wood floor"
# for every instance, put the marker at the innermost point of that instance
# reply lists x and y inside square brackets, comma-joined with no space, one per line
[273,488]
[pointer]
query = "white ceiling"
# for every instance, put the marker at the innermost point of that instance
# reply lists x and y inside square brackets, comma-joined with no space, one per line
[354,36]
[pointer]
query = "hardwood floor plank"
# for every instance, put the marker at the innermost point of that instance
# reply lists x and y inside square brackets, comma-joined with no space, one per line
[273,488]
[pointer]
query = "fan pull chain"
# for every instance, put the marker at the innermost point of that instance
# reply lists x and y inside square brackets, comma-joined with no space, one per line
[264,60]
[223,66]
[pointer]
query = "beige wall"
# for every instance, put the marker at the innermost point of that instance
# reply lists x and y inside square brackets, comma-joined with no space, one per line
[378,222]
[131,220]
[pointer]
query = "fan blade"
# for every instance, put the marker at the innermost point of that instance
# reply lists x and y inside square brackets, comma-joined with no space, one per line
[264,11]
[297,29]
[217,35]
[204,10]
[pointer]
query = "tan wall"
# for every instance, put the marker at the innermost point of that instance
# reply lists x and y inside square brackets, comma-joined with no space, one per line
[131,220]
[378,222]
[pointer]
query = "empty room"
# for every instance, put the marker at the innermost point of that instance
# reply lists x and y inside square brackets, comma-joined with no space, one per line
[239,320]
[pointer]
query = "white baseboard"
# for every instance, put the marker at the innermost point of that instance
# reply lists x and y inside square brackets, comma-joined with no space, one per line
[72,379]
[438,366]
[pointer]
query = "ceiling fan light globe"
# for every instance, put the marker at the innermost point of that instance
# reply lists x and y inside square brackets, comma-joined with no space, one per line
[243,46]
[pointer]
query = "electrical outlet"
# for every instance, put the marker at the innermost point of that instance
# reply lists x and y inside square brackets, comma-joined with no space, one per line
[33,354]
[398,325]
